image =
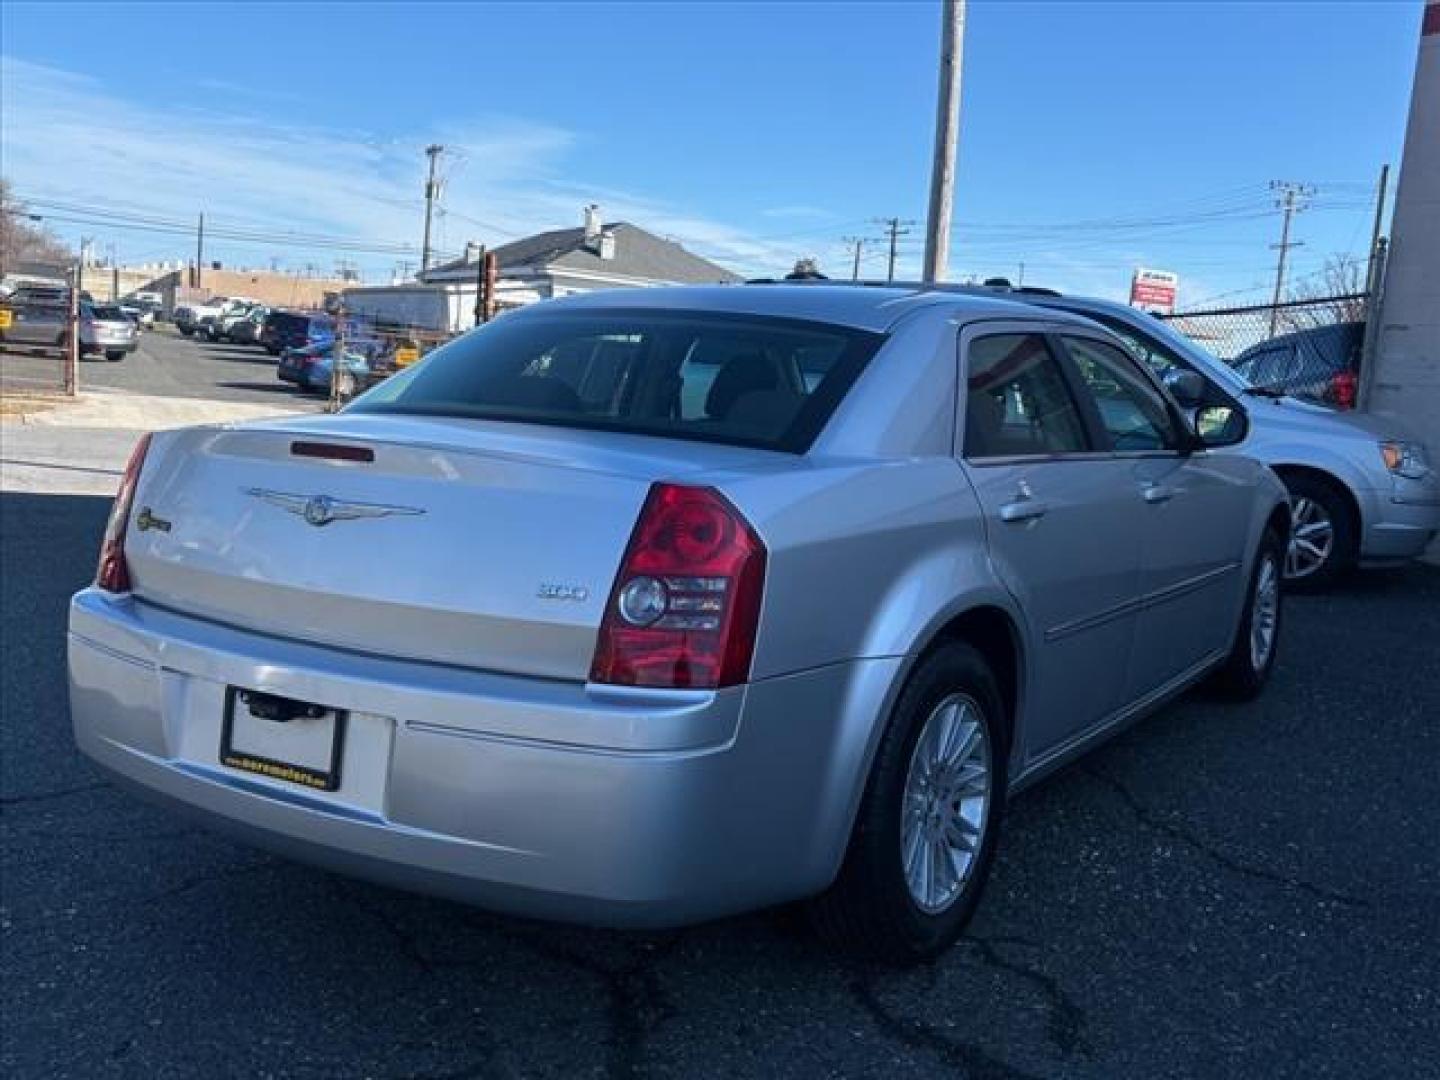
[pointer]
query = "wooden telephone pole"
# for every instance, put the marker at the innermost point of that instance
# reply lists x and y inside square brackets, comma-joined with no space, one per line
[947,130]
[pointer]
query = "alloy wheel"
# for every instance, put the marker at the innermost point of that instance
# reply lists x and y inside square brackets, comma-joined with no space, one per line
[1312,538]
[946,803]
[1264,613]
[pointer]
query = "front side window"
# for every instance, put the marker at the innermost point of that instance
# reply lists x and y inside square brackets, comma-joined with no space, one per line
[1016,401]
[747,380]
[1131,410]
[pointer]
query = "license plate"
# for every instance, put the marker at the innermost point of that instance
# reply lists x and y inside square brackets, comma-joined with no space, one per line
[282,738]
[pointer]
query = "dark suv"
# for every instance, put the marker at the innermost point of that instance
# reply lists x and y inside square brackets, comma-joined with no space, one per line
[1320,365]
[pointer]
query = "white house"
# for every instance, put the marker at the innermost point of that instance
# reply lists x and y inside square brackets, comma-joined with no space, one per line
[549,264]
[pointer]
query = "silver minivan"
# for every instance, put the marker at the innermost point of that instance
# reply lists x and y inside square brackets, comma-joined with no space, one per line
[1364,490]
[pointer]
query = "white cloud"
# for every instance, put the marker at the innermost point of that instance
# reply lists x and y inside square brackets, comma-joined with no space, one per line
[69,137]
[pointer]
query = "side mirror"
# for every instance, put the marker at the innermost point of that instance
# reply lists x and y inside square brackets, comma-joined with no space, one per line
[1221,425]
[1186,387]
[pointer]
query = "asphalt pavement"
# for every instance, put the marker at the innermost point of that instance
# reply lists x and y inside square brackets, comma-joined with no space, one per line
[169,365]
[164,364]
[1223,891]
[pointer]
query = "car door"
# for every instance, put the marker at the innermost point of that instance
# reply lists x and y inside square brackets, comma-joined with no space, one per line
[1195,514]
[1063,525]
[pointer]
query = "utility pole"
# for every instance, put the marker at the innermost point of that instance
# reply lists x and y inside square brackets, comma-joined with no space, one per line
[1021,280]
[894,229]
[947,129]
[1292,198]
[433,151]
[489,276]
[71,376]
[480,286]
[114,275]
[1372,269]
[338,370]
[856,244]
[199,250]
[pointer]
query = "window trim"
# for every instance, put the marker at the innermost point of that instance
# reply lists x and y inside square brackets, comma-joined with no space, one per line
[979,330]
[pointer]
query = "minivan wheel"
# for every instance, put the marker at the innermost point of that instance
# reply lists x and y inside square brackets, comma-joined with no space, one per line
[1322,542]
[925,833]
[1257,638]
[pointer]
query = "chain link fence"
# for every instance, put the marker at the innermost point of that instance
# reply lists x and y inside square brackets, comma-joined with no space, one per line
[1309,348]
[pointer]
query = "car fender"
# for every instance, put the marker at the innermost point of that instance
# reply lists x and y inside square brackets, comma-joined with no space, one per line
[1337,459]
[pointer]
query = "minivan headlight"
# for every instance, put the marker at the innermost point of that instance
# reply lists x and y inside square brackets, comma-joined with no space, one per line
[1405,459]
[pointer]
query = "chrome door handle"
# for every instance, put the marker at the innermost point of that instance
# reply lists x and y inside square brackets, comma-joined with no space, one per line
[1157,493]
[1023,510]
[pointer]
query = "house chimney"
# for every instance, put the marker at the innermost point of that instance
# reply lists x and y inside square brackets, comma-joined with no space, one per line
[592,224]
[607,245]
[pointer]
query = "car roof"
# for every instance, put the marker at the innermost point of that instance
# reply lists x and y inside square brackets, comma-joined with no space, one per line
[862,307]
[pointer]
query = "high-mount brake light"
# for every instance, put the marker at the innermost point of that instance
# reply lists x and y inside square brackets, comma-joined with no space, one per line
[686,603]
[113,574]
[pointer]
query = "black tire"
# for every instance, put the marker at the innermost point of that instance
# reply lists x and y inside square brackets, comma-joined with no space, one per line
[869,910]
[1240,677]
[1332,501]
[185,331]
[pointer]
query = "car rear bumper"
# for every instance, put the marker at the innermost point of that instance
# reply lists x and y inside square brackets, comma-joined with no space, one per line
[604,805]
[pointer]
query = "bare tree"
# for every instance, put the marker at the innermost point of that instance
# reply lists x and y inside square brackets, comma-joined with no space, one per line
[1335,295]
[21,240]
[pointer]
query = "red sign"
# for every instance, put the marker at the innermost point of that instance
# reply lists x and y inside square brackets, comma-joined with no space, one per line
[1154,290]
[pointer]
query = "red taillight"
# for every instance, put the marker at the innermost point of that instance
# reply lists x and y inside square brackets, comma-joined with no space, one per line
[686,603]
[113,574]
[1342,388]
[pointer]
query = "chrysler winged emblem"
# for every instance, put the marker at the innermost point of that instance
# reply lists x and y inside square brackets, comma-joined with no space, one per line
[320,510]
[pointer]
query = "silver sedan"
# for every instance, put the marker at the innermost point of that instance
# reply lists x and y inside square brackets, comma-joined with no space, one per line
[646,608]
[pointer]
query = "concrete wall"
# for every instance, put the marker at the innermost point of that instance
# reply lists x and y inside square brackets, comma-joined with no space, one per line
[279,290]
[1406,376]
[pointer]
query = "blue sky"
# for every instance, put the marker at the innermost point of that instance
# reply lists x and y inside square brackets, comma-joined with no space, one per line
[1095,137]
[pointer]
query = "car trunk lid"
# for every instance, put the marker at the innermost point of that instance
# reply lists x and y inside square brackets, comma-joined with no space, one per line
[484,545]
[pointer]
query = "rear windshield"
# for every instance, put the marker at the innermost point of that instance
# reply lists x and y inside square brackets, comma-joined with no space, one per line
[109,312]
[746,380]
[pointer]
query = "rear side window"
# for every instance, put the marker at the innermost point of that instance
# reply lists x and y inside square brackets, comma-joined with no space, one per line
[1016,400]
[1268,367]
[739,379]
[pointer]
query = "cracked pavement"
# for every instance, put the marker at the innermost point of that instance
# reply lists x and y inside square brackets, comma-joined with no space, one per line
[1223,890]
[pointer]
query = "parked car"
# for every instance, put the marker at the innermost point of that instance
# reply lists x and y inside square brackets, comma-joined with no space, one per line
[195,318]
[700,600]
[142,315]
[1364,490]
[184,319]
[34,323]
[230,319]
[1321,364]
[106,329]
[310,368]
[246,330]
[295,329]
